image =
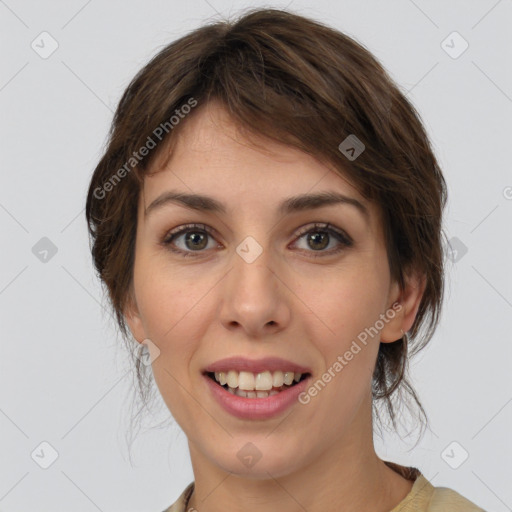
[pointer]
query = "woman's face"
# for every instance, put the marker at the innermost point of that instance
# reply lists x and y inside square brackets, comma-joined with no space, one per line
[262,282]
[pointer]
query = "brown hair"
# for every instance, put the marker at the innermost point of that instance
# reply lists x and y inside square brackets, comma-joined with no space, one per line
[301,83]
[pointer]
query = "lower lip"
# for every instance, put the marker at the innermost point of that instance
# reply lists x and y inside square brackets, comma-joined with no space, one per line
[256,408]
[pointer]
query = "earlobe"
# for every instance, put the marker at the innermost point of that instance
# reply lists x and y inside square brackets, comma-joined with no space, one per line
[404,307]
[132,318]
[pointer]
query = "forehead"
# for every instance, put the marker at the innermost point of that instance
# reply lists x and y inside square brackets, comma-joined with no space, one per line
[212,155]
[212,149]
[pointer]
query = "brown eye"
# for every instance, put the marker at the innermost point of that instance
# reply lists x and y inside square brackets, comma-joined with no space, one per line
[196,240]
[318,240]
[192,240]
[188,240]
[320,236]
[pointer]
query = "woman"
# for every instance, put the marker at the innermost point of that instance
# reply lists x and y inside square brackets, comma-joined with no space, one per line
[267,219]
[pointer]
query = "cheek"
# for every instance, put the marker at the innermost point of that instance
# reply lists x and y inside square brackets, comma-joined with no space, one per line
[171,310]
[343,305]
[169,299]
[175,309]
[347,310]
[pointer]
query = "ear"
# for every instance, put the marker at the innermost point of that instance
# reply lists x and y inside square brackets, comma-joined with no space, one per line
[404,303]
[132,317]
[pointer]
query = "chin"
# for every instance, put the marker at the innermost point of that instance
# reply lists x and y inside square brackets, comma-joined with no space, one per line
[259,459]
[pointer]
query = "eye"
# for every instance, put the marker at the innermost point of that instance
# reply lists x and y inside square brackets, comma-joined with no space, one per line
[195,239]
[321,235]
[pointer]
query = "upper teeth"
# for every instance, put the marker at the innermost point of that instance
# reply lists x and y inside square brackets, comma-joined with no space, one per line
[263,381]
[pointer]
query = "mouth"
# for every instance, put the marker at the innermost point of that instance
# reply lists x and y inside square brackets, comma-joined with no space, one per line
[259,385]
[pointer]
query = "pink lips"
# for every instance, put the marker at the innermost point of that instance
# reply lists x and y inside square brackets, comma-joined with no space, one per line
[240,364]
[256,408]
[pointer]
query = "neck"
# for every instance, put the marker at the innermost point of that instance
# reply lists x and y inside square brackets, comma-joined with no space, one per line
[347,477]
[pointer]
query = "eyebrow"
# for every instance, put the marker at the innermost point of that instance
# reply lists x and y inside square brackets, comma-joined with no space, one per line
[290,205]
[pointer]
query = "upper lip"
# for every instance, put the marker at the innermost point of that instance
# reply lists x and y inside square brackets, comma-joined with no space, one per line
[240,363]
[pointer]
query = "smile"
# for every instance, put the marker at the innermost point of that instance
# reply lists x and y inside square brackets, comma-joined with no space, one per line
[256,385]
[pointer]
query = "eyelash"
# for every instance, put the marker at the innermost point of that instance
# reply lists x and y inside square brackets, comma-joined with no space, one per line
[343,238]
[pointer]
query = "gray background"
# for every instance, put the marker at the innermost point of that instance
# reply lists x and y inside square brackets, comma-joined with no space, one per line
[65,379]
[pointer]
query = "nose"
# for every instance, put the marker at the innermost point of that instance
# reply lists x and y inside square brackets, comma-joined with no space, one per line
[255,298]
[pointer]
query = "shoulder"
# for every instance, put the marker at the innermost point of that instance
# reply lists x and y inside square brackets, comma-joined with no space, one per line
[180,505]
[424,497]
[447,500]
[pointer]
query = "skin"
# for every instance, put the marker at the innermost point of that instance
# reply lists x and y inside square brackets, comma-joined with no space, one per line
[287,303]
